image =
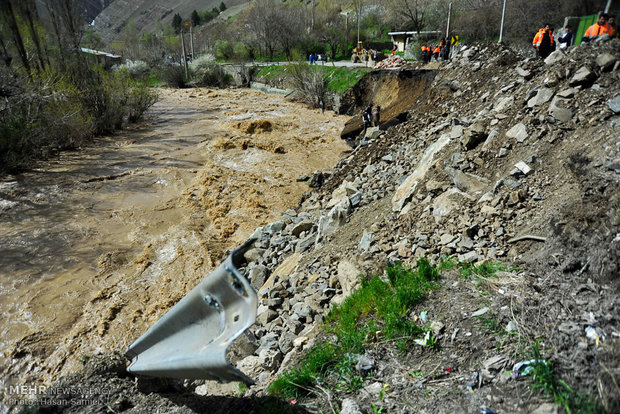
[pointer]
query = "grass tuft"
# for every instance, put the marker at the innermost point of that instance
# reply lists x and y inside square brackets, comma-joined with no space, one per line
[545,380]
[379,309]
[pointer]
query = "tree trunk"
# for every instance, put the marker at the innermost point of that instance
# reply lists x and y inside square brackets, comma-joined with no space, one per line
[28,11]
[7,10]
[56,25]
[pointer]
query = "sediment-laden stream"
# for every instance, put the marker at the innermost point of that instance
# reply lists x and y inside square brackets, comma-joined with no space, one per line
[96,244]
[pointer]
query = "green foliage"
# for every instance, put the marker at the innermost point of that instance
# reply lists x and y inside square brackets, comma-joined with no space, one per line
[177,22]
[224,49]
[340,79]
[195,18]
[92,40]
[379,309]
[54,110]
[173,76]
[545,380]
[484,270]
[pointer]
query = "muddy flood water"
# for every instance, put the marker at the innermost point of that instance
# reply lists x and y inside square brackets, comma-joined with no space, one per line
[96,244]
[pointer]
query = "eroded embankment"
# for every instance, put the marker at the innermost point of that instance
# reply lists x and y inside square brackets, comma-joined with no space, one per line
[395,91]
[97,244]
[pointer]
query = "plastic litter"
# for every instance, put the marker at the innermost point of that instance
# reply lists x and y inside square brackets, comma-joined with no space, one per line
[424,316]
[364,363]
[523,368]
[485,410]
[595,336]
[476,382]
[423,341]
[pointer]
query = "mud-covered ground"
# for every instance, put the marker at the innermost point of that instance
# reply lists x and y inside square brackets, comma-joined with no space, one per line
[96,244]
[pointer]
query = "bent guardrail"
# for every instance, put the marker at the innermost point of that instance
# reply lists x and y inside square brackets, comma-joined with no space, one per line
[190,341]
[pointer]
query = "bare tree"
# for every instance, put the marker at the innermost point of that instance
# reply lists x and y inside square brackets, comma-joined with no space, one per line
[409,14]
[262,20]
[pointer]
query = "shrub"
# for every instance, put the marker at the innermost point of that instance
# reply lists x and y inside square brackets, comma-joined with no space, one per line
[207,72]
[309,83]
[173,76]
[138,69]
[140,99]
[51,110]
[40,115]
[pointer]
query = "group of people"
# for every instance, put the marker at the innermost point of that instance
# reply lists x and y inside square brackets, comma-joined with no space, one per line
[604,26]
[313,58]
[371,116]
[544,42]
[440,51]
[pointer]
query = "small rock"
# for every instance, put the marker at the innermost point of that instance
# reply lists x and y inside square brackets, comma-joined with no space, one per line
[583,77]
[349,406]
[614,104]
[606,61]
[437,327]
[519,132]
[542,96]
[523,167]
[524,73]
[511,327]
[469,257]
[547,408]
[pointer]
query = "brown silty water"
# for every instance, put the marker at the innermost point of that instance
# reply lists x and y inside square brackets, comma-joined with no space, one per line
[97,244]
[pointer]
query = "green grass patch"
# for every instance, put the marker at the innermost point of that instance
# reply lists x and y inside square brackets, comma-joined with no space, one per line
[338,79]
[545,380]
[485,270]
[378,310]
[272,71]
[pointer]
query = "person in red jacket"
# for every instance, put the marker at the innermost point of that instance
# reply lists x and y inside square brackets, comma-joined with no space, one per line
[598,29]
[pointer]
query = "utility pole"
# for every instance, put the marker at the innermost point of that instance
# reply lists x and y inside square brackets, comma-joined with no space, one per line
[501,29]
[607,6]
[359,11]
[191,40]
[449,14]
[184,53]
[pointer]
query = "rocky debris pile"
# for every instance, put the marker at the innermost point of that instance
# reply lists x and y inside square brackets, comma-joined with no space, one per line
[484,172]
[504,158]
[393,61]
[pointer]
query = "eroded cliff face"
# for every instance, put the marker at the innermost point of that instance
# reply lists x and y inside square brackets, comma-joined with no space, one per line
[92,8]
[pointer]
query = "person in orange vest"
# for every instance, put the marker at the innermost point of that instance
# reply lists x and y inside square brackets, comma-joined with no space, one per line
[436,52]
[544,42]
[598,29]
[424,52]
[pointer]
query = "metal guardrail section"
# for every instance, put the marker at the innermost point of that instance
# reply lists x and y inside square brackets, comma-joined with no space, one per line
[190,341]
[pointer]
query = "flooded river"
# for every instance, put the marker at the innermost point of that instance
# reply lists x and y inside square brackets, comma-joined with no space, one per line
[96,244]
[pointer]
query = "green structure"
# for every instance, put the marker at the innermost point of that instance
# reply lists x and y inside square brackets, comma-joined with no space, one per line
[584,23]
